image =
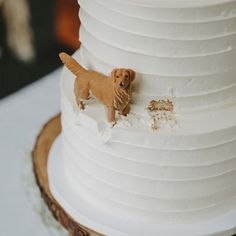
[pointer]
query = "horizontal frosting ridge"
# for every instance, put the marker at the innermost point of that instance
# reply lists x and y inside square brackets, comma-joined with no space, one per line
[153,29]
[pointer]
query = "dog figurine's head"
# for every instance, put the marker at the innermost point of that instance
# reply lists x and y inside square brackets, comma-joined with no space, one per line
[123,78]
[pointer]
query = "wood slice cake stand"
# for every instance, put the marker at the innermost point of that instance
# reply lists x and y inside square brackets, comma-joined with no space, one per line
[40,154]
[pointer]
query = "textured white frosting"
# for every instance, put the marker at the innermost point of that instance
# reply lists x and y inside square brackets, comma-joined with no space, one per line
[186,51]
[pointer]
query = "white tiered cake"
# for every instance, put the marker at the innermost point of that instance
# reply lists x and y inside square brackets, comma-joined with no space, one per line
[130,180]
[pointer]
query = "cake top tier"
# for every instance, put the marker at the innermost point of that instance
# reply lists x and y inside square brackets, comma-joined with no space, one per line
[186,54]
[174,3]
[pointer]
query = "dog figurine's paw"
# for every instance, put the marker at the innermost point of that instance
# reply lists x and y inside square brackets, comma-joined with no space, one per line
[112,124]
[81,105]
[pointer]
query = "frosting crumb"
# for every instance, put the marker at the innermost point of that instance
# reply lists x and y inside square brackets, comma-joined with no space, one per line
[161,113]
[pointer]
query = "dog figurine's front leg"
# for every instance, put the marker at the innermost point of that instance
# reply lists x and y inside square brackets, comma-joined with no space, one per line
[112,115]
[125,111]
[81,104]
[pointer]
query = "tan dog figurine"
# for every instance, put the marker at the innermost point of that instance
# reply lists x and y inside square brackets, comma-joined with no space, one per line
[113,91]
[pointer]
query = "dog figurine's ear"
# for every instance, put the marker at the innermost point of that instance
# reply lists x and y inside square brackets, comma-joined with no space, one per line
[132,75]
[113,74]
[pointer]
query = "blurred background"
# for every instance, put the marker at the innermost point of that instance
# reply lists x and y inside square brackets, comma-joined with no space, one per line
[32,33]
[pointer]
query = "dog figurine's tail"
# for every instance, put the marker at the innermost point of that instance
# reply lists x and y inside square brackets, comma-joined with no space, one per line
[72,64]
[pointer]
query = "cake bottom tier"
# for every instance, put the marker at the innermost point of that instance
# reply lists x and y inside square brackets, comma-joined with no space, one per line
[105,220]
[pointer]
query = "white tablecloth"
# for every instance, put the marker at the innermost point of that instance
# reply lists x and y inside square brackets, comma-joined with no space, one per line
[22,211]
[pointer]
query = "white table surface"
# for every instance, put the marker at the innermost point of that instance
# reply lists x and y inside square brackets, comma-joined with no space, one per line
[22,115]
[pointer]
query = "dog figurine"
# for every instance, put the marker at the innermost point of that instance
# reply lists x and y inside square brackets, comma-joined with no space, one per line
[16,14]
[113,91]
